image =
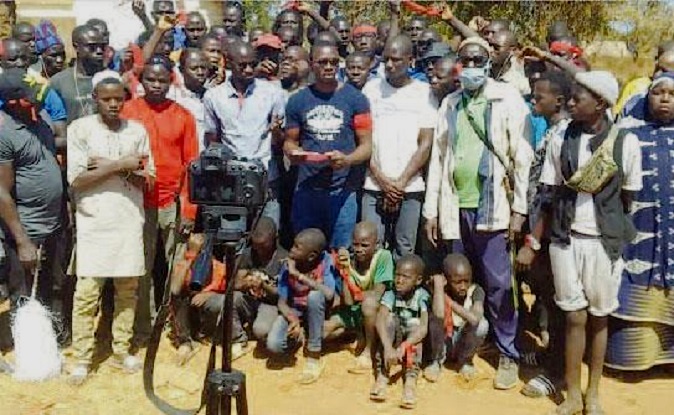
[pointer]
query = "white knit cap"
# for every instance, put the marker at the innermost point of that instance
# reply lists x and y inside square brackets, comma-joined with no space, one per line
[476,40]
[105,74]
[602,83]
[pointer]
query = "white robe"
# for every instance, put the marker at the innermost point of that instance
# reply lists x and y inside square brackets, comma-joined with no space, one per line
[109,215]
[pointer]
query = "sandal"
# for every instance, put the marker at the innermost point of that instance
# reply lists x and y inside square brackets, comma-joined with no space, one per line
[539,387]
[594,408]
[378,391]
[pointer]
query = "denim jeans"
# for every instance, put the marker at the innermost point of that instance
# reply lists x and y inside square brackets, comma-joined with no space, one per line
[461,347]
[335,213]
[313,318]
[397,231]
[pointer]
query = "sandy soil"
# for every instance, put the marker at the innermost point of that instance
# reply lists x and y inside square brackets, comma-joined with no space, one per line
[274,392]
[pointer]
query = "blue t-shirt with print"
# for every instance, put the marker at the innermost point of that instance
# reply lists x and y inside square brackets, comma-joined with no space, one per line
[296,293]
[326,124]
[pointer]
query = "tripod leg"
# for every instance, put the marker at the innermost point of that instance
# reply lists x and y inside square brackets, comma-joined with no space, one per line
[226,405]
[241,400]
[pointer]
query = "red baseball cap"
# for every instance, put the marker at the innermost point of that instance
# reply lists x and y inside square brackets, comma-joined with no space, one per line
[269,40]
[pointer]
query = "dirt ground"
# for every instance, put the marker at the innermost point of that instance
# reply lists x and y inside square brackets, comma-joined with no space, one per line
[274,392]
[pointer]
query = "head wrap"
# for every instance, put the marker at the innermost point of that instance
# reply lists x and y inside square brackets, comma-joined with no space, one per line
[46,36]
[364,29]
[476,40]
[663,77]
[103,75]
[601,83]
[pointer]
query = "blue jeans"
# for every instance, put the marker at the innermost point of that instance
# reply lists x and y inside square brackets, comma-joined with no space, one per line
[313,316]
[333,213]
[397,231]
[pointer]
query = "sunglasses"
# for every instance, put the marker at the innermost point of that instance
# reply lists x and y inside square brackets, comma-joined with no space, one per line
[478,61]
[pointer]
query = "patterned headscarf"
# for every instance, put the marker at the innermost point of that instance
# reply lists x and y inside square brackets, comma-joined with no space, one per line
[46,36]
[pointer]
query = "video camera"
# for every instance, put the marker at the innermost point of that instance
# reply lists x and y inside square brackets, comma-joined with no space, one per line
[228,190]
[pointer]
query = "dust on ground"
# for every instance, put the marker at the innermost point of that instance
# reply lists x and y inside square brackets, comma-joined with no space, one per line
[274,392]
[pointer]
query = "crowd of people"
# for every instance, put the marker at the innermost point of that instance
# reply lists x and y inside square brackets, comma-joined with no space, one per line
[416,187]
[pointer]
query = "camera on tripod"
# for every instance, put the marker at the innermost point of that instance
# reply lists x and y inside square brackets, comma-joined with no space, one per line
[229,191]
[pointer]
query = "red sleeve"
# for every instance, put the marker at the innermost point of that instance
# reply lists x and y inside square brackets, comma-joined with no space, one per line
[218,278]
[189,153]
[362,122]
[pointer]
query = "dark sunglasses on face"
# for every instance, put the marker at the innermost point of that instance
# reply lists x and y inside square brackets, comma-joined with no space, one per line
[478,61]
[94,46]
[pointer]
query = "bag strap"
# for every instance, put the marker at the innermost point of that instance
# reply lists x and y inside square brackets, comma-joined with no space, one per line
[481,134]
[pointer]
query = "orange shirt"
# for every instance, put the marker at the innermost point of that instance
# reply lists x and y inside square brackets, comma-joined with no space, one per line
[173,141]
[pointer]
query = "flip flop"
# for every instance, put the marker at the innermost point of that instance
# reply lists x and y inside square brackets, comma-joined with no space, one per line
[594,409]
[566,409]
[409,399]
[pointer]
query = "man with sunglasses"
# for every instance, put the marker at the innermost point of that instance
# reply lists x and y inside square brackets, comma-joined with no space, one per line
[333,120]
[74,83]
[477,185]
[245,114]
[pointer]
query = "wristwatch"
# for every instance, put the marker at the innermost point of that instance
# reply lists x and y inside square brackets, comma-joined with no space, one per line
[532,243]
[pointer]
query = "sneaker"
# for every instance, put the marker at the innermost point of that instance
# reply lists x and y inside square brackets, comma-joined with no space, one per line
[78,374]
[507,374]
[539,387]
[186,351]
[239,350]
[126,363]
[409,399]
[432,372]
[312,371]
[468,372]
[362,364]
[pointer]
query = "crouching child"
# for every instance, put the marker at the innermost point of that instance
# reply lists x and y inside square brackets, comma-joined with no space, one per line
[402,324]
[457,326]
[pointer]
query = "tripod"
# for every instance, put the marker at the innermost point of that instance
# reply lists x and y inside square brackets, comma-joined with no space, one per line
[227,383]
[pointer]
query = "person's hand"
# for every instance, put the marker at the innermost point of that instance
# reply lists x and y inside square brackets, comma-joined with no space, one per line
[200,298]
[138,7]
[391,356]
[439,282]
[545,339]
[431,228]
[294,329]
[186,226]
[338,160]
[27,252]
[478,23]
[292,268]
[131,163]
[295,156]
[302,7]
[276,123]
[447,13]
[95,163]
[266,68]
[344,257]
[516,222]
[533,53]
[525,257]
[166,23]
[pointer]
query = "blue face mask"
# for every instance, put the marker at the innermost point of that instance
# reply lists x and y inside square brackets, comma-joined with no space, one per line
[473,78]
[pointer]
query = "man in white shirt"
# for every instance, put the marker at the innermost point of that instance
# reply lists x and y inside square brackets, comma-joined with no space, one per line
[190,92]
[403,116]
[589,231]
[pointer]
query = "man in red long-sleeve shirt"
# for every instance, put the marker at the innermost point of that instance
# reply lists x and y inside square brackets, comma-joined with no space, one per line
[173,142]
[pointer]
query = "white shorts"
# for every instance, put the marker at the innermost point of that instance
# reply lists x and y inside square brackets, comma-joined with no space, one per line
[585,277]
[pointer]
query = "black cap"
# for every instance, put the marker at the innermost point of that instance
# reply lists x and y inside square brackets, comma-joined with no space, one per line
[13,86]
[437,50]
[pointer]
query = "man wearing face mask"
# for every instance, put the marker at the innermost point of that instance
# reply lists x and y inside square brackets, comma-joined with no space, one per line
[477,184]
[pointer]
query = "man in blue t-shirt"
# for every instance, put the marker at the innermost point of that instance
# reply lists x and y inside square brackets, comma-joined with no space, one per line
[329,135]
